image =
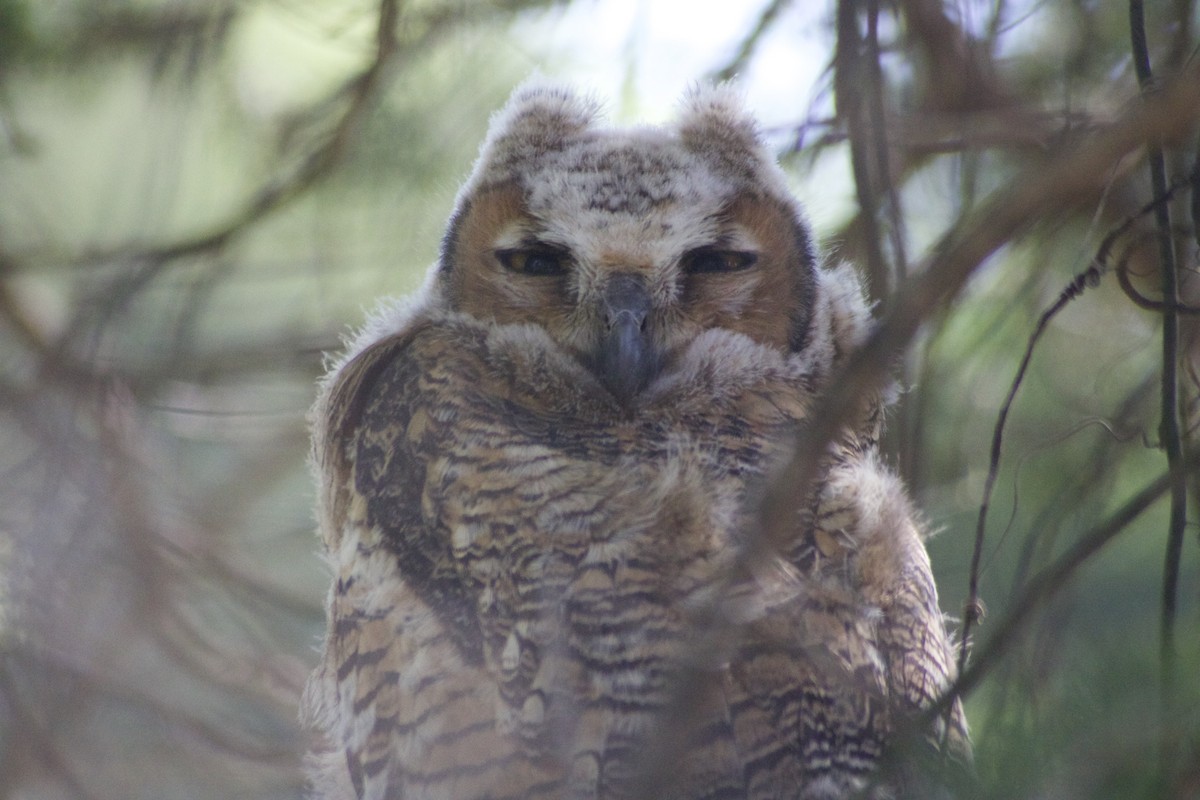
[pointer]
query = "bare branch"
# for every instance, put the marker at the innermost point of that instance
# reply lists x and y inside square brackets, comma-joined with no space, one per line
[1172,439]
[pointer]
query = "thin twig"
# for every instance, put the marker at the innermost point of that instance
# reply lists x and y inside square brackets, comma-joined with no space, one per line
[1172,440]
[1068,181]
[1089,486]
[1045,585]
[972,608]
[1140,300]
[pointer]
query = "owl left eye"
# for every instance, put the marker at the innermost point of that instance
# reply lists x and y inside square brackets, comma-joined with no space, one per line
[710,259]
[534,261]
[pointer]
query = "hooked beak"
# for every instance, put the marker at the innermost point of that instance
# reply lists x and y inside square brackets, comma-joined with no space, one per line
[627,360]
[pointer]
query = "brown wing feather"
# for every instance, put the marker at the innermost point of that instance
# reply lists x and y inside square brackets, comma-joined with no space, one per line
[415,705]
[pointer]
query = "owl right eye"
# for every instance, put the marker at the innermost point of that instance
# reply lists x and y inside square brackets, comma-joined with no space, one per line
[714,260]
[538,261]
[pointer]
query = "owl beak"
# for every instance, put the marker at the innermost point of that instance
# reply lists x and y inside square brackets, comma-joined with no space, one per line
[627,359]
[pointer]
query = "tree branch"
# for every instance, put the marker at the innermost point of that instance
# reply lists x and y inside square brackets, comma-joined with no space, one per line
[1172,440]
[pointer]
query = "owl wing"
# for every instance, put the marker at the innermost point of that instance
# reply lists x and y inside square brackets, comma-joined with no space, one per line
[890,568]
[407,700]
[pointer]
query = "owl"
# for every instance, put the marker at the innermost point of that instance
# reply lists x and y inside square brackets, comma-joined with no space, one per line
[538,481]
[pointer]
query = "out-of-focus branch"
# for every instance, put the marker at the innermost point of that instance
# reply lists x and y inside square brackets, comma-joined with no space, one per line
[750,43]
[1075,177]
[1195,210]
[358,96]
[852,75]
[881,147]
[36,743]
[954,78]
[108,31]
[358,93]
[957,71]
[12,311]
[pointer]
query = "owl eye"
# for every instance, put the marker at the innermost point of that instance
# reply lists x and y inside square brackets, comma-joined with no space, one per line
[541,261]
[710,259]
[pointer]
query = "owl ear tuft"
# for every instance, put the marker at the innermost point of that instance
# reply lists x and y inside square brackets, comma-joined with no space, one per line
[715,125]
[540,117]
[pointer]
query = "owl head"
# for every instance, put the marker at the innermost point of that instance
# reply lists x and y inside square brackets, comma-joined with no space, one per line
[627,244]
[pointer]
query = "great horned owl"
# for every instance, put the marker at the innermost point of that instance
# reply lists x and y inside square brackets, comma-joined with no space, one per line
[536,475]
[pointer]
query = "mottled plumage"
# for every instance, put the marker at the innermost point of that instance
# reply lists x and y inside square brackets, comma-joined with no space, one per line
[536,475]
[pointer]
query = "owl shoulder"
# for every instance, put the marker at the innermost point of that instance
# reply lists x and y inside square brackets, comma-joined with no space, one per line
[423,389]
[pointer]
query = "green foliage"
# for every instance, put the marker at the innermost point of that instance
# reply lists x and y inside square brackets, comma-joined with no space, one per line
[15,34]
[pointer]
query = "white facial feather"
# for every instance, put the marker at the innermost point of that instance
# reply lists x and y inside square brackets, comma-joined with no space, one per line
[657,191]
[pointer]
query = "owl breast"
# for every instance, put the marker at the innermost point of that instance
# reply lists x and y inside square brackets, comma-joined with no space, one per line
[564,546]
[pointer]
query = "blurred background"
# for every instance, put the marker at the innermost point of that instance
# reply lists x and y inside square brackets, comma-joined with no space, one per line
[199,198]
